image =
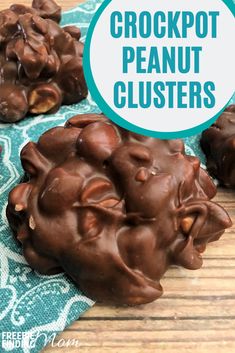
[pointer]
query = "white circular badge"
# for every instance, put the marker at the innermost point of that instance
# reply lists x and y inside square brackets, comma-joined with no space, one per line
[161,68]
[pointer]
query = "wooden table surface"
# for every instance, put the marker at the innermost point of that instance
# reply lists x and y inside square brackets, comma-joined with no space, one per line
[195,315]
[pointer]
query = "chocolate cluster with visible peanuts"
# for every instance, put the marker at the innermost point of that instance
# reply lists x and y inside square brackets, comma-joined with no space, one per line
[218,144]
[41,63]
[112,209]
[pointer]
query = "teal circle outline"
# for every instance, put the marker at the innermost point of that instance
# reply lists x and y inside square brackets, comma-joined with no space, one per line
[116,118]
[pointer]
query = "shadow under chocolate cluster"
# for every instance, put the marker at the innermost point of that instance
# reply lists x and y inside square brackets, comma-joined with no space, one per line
[113,209]
[41,63]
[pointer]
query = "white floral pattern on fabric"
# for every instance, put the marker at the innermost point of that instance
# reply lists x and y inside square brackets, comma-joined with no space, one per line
[31,302]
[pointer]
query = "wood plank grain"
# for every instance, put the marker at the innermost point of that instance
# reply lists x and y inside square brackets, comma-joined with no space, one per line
[151,338]
[191,347]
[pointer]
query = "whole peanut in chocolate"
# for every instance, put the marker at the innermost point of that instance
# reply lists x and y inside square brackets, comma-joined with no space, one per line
[41,63]
[112,209]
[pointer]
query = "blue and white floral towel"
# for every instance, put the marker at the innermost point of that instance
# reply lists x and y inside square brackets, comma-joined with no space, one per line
[33,308]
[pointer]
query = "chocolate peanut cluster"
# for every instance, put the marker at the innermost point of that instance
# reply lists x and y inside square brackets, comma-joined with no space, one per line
[218,143]
[112,209]
[41,63]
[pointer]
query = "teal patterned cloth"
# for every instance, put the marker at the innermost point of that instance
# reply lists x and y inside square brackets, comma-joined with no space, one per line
[29,302]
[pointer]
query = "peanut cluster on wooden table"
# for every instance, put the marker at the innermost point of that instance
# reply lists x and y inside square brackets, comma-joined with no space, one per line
[41,63]
[218,143]
[113,209]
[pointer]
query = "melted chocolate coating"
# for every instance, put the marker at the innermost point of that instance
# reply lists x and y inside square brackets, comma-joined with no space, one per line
[41,63]
[113,209]
[218,144]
